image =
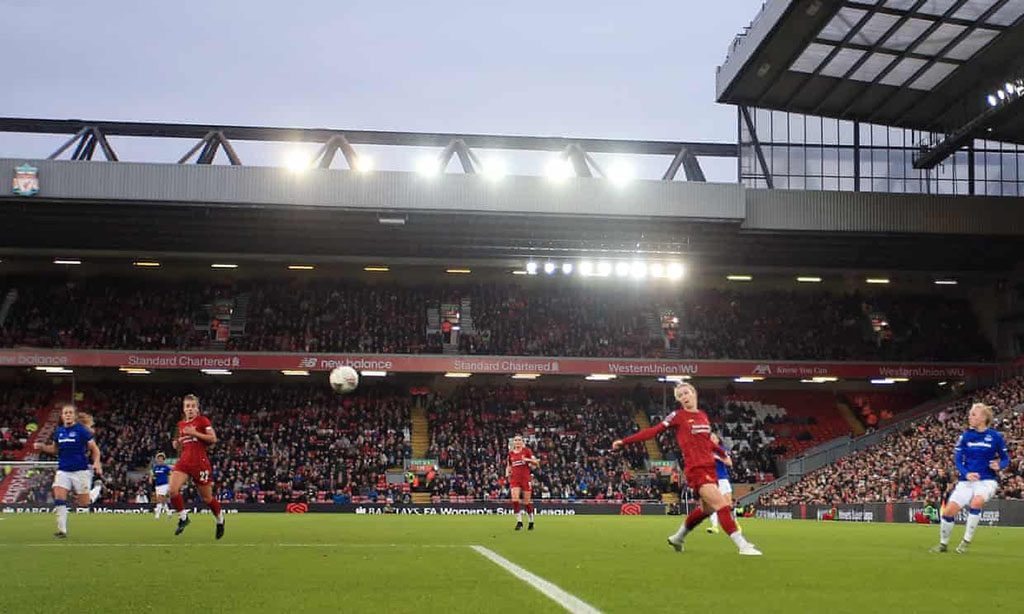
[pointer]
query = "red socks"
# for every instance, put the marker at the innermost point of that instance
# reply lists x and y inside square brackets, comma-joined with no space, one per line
[725,519]
[515,507]
[178,502]
[529,509]
[214,506]
[696,517]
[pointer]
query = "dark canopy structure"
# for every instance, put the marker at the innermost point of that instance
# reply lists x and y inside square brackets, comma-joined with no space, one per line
[953,68]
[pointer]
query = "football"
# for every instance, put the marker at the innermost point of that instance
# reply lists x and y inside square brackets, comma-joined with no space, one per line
[344,379]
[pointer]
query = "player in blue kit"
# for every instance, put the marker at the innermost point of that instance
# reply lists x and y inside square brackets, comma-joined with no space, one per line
[724,485]
[73,444]
[161,478]
[980,454]
[86,420]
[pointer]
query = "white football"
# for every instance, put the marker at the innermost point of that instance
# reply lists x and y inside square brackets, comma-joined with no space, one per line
[344,379]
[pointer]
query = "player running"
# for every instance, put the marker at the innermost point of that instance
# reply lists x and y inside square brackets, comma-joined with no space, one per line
[161,477]
[86,420]
[693,432]
[520,459]
[73,442]
[980,453]
[195,434]
[722,466]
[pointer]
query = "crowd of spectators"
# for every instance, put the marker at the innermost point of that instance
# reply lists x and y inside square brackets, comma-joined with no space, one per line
[275,443]
[104,313]
[18,420]
[294,442]
[571,431]
[784,325]
[553,319]
[337,317]
[915,463]
[509,319]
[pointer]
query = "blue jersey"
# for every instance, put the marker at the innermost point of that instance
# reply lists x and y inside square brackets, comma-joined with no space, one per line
[974,451]
[721,469]
[72,447]
[161,473]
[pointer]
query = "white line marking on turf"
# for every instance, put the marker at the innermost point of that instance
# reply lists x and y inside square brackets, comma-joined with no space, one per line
[567,600]
[222,545]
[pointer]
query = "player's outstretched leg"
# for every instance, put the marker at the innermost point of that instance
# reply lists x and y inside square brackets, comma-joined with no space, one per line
[182,523]
[729,525]
[96,491]
[714,524]
[218,516]
[179,505]
[177,480]
[61,506]
[973,518]
[694,519]
[945,532]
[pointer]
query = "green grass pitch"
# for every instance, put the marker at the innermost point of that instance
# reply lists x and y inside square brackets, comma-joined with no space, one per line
[322,562]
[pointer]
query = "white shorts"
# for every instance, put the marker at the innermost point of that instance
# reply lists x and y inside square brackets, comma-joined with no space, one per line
[163,489]
[725,487]
[78,482]
[965,491]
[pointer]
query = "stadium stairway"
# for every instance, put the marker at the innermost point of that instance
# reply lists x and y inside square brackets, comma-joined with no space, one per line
[654,325]
[847,412]
[11,484]
[5,309]
[420,431]
[240,314]
[653,451]
[466,316]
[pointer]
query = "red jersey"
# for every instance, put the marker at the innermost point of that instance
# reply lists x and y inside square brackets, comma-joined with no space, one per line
[693,433]
[519,464]
[193,450]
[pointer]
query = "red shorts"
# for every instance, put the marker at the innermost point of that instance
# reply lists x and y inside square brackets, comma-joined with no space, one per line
[200,470]
[699,476]
[521,481]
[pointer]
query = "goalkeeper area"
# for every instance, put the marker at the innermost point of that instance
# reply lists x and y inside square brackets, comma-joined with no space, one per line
[396,563]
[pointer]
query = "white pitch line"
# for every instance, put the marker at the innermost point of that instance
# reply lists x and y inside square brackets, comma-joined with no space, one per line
[222,545]
[567,600]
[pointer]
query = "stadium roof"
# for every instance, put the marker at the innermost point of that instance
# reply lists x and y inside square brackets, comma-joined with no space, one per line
[81,228]
[921,64]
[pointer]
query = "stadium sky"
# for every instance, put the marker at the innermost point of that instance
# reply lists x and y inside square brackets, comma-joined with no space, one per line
[638,70]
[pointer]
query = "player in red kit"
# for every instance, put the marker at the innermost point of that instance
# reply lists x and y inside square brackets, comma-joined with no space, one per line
[693,432]
[520,459]
[195,434]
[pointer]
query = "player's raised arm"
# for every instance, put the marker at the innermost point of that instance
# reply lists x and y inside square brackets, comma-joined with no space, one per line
[645,434]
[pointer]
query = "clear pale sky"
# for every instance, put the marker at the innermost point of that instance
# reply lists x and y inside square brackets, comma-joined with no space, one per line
[632,70]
